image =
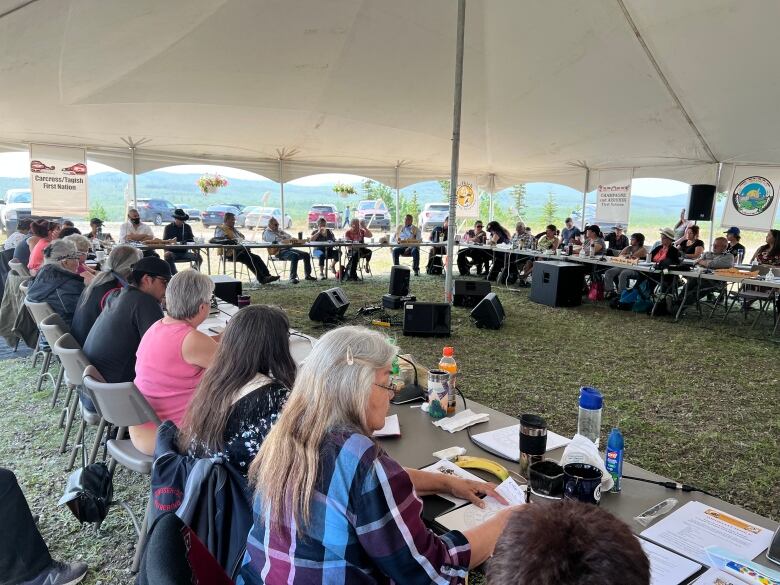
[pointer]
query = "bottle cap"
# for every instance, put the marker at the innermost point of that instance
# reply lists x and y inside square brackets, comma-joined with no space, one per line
[448,351]
[590,398]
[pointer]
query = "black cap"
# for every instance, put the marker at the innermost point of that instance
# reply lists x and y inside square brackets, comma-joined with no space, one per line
[153,266]
[96,221]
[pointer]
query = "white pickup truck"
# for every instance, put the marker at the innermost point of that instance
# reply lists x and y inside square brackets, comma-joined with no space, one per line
[16,205]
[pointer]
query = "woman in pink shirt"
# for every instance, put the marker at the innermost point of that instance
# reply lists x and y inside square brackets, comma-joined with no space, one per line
[173,354]
[36,253]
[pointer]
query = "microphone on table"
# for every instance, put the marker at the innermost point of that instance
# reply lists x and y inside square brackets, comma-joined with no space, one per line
[410,392]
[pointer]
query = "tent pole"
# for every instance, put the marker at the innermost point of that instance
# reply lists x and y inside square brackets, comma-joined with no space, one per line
[714,203]
[448,285]
[397,197]
[491,189]
[281,186]
[585,196]
[132,170]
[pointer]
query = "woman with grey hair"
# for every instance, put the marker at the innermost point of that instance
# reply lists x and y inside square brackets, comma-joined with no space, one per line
[331,506]
[83,246]
[57,281]
[110,280]
[173,354]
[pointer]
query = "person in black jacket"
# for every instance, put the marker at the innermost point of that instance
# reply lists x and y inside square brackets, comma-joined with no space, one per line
[111,279]
[58,282]
[181,231]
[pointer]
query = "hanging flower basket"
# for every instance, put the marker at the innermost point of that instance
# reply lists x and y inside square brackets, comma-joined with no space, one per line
[344,190]
[211,183]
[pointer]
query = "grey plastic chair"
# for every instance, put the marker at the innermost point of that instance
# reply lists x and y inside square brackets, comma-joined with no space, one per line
[123,406]
[39,311]
[18,268]
[74,362]
[53,327]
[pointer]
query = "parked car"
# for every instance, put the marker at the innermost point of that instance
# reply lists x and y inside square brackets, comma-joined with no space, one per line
[326,210]
[375,213]
[258,218]
[433,215]
[158,211]
[193,212]
[16,205]
[215,215]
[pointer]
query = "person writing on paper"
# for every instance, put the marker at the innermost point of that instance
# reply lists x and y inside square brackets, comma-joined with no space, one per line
[570,543]
[330,505]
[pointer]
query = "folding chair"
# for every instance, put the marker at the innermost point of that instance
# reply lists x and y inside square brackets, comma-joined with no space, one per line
[53,327]
[123,406]
[273,259]
[39,311]
[74,362]
[751,293]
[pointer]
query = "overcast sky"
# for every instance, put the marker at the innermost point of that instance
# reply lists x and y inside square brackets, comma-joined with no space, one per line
[16,164]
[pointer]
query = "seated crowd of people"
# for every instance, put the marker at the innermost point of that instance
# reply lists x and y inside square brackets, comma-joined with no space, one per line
[330,506]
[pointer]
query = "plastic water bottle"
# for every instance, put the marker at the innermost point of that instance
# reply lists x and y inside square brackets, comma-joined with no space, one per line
[589,419]
[614,457]
[449,365]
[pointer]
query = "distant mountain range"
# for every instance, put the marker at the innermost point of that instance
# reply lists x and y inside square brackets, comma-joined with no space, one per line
[109,190]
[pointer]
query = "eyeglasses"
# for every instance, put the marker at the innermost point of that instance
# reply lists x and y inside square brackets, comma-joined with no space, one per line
[164,280]
[392,388]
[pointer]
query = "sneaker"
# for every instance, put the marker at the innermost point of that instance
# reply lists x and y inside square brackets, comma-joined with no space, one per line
[269,278]
[310,277]
[60,573]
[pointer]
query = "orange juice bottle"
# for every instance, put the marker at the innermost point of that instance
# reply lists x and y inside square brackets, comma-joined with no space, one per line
[449,365]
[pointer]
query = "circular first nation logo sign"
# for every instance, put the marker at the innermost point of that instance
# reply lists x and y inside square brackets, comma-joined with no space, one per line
[753,196]
[466,196]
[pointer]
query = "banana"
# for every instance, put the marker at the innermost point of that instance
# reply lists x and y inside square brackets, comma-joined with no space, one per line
[487,465]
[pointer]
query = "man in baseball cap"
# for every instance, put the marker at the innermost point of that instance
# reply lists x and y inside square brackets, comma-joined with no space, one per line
[117,332]
[735,248]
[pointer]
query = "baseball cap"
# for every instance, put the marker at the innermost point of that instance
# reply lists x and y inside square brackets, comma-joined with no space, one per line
[153,266]
[734,231]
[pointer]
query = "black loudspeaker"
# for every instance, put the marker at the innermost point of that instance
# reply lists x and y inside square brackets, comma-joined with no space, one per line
[468,293]
[700,204]
[427,319]
[489,313]
[329,306]
[226,288]
[557,284]
[399,281]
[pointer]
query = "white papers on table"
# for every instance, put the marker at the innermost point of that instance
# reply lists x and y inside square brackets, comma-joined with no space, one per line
[696,526]
[469,516]
[717,577]
[465,418]
[449,468]
[392,427]
[666,567]
[506,442]
[218,322]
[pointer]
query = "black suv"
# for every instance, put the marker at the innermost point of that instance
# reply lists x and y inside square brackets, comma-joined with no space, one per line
[158,211]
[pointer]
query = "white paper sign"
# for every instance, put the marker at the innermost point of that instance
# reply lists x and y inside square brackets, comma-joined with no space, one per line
[666,567]
[751,202]
[613,197]
[58,178]
[467,195]
[696,526]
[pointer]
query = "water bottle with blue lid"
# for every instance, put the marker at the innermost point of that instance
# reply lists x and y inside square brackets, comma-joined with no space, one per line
[589,419]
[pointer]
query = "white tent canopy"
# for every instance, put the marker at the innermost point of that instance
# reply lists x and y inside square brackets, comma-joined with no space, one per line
[665,88]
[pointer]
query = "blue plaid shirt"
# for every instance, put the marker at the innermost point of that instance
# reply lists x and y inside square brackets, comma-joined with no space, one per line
[365,528]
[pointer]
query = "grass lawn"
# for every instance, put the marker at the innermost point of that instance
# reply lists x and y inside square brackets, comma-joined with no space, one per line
[695,402]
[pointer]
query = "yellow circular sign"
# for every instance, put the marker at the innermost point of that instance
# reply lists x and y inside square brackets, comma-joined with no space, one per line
[465,194]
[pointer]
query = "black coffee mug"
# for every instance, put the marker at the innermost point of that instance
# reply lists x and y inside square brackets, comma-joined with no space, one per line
[582,482]
[546,479]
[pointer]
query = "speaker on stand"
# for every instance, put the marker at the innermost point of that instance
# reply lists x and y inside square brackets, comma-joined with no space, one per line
[701,202]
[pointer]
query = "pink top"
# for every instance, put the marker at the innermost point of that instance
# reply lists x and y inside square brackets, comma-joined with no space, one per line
[36,255]
[162,375]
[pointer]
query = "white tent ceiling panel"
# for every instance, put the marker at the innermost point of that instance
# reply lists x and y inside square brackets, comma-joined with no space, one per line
[344,85]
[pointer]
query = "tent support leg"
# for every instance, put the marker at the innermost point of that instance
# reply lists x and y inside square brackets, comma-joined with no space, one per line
[448,285]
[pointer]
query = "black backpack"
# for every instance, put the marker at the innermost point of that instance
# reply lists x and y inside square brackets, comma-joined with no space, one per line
[89,492]
[435,266]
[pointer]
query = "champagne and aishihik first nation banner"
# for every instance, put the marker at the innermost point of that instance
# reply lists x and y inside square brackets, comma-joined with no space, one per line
[751,202]
[58,179]
[467,195]
[613,197]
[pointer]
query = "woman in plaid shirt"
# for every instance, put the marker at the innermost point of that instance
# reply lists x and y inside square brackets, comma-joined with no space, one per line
[331,506]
